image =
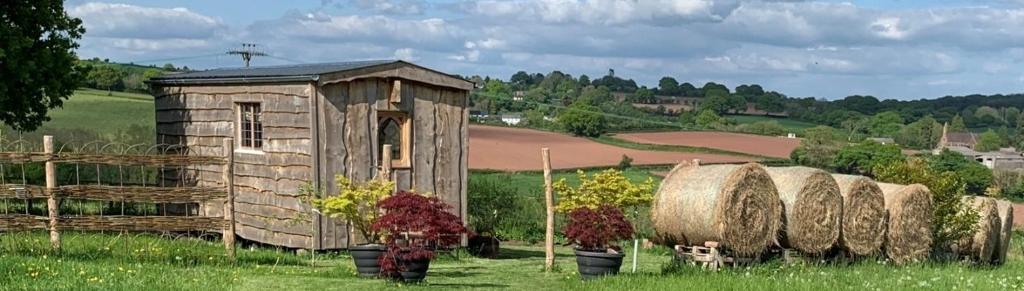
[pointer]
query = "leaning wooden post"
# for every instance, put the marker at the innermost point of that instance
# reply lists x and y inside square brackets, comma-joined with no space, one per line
[385,163]
[51,193]
[229,190]
[549,201]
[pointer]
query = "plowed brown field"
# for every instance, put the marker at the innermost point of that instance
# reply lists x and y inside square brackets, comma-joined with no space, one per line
[516,149]
[776,147]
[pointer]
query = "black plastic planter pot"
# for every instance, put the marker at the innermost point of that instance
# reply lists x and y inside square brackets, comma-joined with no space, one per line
[367,259]
[598,264]
[414,270]
[484,246]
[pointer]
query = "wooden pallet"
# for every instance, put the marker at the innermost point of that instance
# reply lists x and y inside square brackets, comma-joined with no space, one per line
[710,256]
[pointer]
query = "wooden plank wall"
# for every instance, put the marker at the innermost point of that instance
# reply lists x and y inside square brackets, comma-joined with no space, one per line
[348,136]
[349,141]
[267,184]
[441,149]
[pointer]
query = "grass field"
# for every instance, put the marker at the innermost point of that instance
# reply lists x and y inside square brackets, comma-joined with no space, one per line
[795,125]
[91,113]
[611,140]
[148,262]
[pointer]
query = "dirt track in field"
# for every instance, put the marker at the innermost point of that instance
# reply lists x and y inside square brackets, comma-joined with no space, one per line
[769,146]
[516,149]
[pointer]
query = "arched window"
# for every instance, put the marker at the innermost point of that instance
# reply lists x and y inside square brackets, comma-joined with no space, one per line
[394,128]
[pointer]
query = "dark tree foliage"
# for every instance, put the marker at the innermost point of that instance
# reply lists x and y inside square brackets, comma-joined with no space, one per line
[862,158]
[975,175]
[597,229]
[37,60]
[688,90]
[668,86]
[615,84]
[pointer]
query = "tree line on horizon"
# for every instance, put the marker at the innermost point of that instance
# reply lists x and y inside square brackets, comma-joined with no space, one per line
[912,123]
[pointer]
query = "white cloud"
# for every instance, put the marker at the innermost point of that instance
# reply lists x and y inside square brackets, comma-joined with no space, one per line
[406,54]
[138,22]
[430,33]
[392,6]
[600,12]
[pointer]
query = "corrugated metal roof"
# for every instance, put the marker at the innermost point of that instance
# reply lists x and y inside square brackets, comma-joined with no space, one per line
[269,72]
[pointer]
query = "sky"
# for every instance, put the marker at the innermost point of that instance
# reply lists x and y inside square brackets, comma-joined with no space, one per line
[891,49]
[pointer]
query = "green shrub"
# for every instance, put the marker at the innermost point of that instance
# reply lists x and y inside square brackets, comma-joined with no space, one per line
[861,158]
[492,200]
[952,218]
[625,163]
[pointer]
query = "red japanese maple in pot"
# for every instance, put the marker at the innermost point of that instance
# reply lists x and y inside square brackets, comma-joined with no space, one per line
[594,232]
[414,226]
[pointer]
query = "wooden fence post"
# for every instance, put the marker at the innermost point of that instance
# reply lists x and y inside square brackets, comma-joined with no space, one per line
[229,189]
[51,195]
[549,201]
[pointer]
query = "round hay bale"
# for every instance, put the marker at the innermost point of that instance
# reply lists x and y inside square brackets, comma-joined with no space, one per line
[863,222]
[812,208]
[1005,209]
[735,205]
[908,236]
[980,246]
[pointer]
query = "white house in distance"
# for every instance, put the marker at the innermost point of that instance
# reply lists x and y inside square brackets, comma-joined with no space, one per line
[512,118]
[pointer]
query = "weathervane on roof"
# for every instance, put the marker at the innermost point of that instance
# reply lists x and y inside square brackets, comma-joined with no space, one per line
[247,52]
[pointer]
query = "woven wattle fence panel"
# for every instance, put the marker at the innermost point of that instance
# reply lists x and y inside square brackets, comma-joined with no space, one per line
[22,222]
[106,159]
[142,194]
[118,193]
[143,223]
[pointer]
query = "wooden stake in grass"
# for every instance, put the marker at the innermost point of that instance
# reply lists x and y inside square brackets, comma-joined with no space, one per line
[51,196]
[229,205]
[549,201]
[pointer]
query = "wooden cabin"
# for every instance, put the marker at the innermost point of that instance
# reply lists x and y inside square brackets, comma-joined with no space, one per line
[304,124]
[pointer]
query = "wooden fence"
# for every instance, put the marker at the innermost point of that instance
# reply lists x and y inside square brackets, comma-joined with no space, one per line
[154,193]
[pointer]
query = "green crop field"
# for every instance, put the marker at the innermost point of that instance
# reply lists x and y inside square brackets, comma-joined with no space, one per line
[791,124]
[91,114]
[148,262]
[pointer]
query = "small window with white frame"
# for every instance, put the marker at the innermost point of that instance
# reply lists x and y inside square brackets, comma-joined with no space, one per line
[250,126]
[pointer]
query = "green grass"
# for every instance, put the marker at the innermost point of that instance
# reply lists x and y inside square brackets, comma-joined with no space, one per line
[92,114]
[148,262]
[611,140]
[794,125]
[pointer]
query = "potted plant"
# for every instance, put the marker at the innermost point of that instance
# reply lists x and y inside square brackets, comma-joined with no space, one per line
[596,219]
[594,232]
[413,227]
[357,204]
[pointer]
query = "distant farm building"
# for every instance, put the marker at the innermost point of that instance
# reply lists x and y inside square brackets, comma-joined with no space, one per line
[304,124]
[965,142]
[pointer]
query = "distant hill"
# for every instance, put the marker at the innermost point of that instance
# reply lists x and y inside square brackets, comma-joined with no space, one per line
[131,77]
